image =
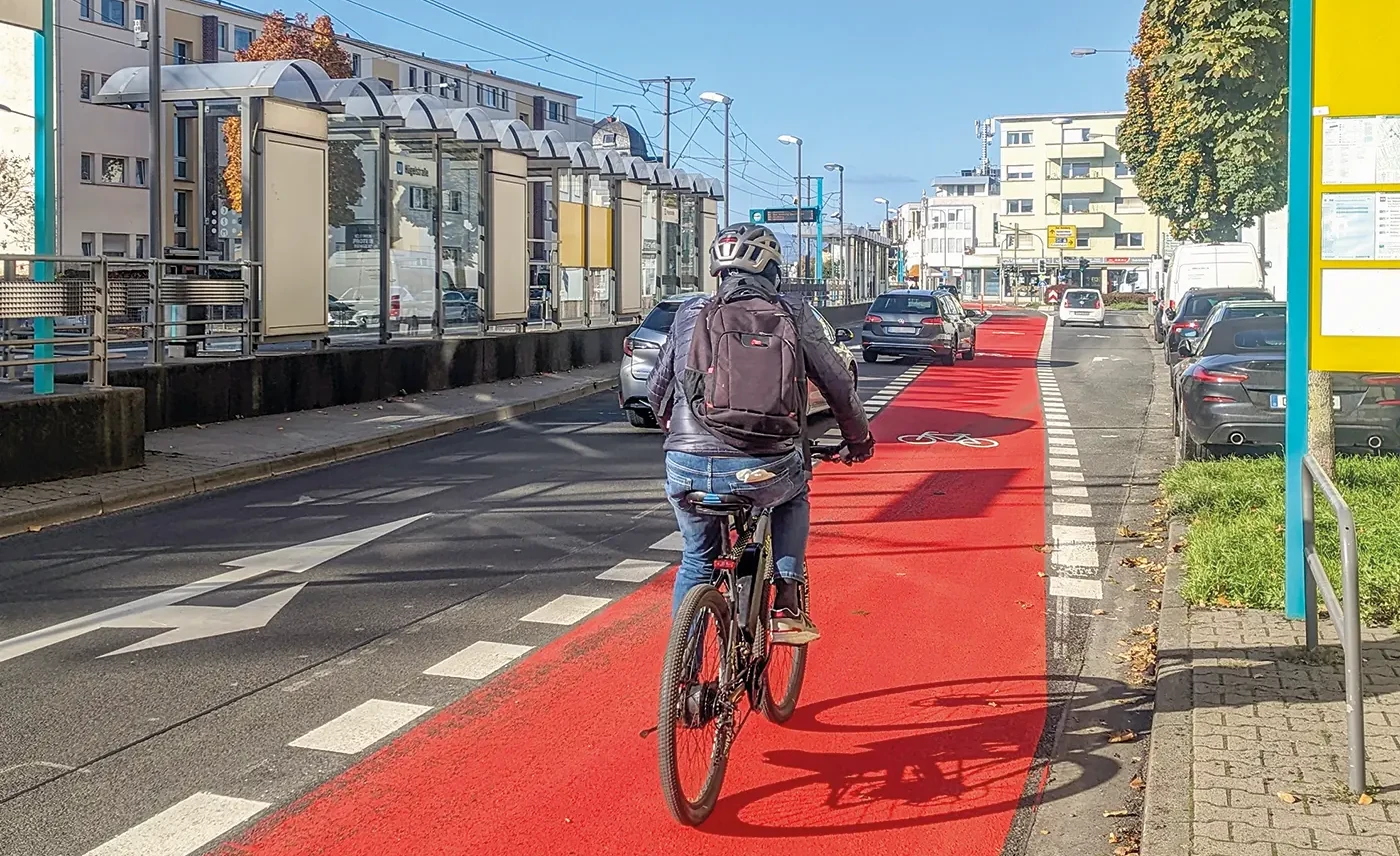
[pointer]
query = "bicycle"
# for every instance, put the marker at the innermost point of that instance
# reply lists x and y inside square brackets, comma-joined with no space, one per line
[701,689]
[929,438]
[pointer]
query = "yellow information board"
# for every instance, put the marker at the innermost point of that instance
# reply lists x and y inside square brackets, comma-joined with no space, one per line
[572,250]
[1062,237]
[1355,194]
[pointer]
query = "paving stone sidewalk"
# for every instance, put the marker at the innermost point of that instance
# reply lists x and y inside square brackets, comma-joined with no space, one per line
[1244,715]
[184,461]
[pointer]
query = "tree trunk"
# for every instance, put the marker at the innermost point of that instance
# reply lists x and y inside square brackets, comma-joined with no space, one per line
[1322,438]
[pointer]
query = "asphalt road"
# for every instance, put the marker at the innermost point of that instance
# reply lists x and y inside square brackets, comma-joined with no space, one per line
[496,525]
[518,514]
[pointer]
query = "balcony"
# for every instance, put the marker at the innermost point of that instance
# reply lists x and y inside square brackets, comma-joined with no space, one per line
[1091,220]
[1079,151]
[1091,185]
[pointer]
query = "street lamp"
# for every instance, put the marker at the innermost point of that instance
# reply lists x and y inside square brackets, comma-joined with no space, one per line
[790,140]
[840,170]
[1060,198]
[1093,51]
[717,98]
[5,108]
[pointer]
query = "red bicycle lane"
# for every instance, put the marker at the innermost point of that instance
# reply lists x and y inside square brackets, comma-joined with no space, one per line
[920,717]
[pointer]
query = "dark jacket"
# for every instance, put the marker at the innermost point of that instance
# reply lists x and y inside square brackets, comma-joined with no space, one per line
[824,368]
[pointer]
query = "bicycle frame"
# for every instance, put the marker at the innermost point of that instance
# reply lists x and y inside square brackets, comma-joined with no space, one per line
[739,576]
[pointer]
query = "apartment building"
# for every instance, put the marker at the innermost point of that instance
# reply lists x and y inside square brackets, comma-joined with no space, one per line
[103,167]
[1065,169]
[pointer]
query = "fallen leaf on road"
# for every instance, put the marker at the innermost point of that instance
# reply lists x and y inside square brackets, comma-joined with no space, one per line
[1101,612]
[1113,838]
[1287,797]
[1137,783]
[1135,561]
[1365,799]
[1119,812]
[32,528]
[1023,604]
[1125,850]
[1041,574]
[1131,588]
[1044,548]
[992,704]
[1122,737]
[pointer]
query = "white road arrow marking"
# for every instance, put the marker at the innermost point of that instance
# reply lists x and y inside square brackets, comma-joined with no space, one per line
[1109,359]
[182,623]
[1093,336]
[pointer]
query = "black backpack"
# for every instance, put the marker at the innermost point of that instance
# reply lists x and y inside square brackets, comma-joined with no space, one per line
[746,378]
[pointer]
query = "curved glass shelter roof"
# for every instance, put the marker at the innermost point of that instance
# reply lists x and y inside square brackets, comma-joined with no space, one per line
[295,80]
[583,158]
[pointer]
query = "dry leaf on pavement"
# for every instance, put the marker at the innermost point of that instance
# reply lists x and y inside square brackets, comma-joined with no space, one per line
[1120,812]
[1365,799]
[1137,783]
[1287,797]
[1122,736]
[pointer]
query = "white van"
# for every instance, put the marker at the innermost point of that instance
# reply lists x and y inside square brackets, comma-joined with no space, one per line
[1219,265]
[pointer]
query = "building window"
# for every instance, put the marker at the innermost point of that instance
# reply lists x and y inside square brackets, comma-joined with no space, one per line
[1020,206]
[1074,205]
[388,84]
[114,244]
[1076,135]
[419,198]
[456,89]
[1127,241]
[412,77]
[1128,205]
[1019,138]
[242,38]
[1021,172]
[142,170]
[1122,170]
[182,218]
[1081,242]
[89,243]
[354,65]
[113,169]
[554,111]
[85,167]
[453,202]
[85,86]
[223,36]
[182,148]
[182,52]
[1075,169]
[85,12]
[114,12]
[141,249]
[138,14]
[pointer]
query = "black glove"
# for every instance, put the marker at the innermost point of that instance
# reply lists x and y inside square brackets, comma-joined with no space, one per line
[861,451]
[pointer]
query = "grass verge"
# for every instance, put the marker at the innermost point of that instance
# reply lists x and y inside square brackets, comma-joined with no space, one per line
[1234,550]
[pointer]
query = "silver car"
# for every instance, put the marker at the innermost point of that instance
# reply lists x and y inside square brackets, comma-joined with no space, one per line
[643,346]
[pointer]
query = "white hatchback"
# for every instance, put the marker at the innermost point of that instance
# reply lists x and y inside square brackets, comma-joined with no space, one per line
[1081,306]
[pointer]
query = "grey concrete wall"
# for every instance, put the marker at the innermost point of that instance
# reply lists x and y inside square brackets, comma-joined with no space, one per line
[189,393]
[75,432]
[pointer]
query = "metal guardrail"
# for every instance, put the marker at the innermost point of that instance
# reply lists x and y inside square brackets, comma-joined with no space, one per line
[1346,616]
[35,287]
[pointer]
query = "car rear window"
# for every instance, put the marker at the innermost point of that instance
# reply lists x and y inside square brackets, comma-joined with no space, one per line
[1201,305]
[1082,299]
[661,318]
[906,304]
[1271,339]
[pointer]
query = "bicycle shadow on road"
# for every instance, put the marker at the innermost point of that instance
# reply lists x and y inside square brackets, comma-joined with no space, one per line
[957,750]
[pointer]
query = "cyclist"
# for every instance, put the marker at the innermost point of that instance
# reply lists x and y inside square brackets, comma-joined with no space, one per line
[730,389]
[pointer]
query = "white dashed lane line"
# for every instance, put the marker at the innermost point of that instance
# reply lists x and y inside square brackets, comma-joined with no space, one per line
[567,609]
[361,727]
[186,827]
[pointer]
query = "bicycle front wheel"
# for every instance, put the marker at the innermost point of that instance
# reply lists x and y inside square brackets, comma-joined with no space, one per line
[694,724]
[783,670]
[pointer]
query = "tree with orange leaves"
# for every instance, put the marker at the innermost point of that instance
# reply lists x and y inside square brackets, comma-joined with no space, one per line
[300,38]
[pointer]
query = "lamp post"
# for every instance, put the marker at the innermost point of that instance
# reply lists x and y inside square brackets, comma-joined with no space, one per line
[790,140]
[718,98]
[1060,197]
[1081,52]
[840,171]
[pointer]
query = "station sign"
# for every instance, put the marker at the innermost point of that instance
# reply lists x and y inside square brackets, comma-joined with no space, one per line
[761,216]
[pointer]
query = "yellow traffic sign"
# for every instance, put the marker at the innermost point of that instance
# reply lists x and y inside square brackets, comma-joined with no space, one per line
[1063,237]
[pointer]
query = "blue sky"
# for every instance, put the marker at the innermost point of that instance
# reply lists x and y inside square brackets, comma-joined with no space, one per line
[891,94]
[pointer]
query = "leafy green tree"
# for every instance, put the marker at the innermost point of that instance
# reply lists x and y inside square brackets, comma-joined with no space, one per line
[1207,124]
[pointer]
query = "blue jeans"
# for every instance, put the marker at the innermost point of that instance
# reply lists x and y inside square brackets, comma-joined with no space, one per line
[785,493]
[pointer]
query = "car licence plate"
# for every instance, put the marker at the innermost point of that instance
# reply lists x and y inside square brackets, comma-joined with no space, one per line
[902,331]
[1279,402]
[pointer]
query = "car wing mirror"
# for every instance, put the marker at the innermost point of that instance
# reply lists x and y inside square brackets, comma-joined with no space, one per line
[844,335]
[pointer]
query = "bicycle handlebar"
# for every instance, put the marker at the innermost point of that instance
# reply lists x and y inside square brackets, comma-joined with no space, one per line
[839,453]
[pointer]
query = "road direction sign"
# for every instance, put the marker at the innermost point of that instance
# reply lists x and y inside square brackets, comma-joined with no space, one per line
[183,623]
[781,215]
[1062,237]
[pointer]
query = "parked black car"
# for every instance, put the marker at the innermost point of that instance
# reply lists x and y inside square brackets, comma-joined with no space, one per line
[1196,306]
[916,322]
[1233,395]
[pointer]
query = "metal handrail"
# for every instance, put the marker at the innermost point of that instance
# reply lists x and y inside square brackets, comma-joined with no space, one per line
[1346,616]
[50,293]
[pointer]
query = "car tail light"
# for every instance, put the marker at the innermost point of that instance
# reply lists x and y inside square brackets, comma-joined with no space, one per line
[627,347]
[394,306]
[874,319]
[1207,376]
[1185,325]
[1098,302]
[1217,399]
[931,321]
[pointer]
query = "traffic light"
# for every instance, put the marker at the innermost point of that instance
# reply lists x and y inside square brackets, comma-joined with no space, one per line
[1083,264]
[1041,267]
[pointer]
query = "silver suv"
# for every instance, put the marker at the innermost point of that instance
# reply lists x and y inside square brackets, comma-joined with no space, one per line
[643,346]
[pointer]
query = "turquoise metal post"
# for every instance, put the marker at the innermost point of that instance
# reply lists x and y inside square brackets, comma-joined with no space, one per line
[821,205]
[45,187]
[1300,217]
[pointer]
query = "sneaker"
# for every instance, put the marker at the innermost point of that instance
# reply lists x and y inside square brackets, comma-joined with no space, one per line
[792,627]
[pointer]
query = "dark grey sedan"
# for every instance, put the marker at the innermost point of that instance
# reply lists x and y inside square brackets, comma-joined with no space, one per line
[914,322]
[1233,395]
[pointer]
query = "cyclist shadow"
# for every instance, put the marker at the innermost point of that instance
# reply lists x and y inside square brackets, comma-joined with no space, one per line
[975,760]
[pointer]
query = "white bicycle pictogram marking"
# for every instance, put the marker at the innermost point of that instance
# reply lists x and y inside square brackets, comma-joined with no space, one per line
[929,438]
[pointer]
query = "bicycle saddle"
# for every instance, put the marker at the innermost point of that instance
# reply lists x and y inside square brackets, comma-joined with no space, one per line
[718,504]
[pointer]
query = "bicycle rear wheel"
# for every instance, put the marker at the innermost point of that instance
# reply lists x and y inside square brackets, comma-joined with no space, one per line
[693,726]
[784,668]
